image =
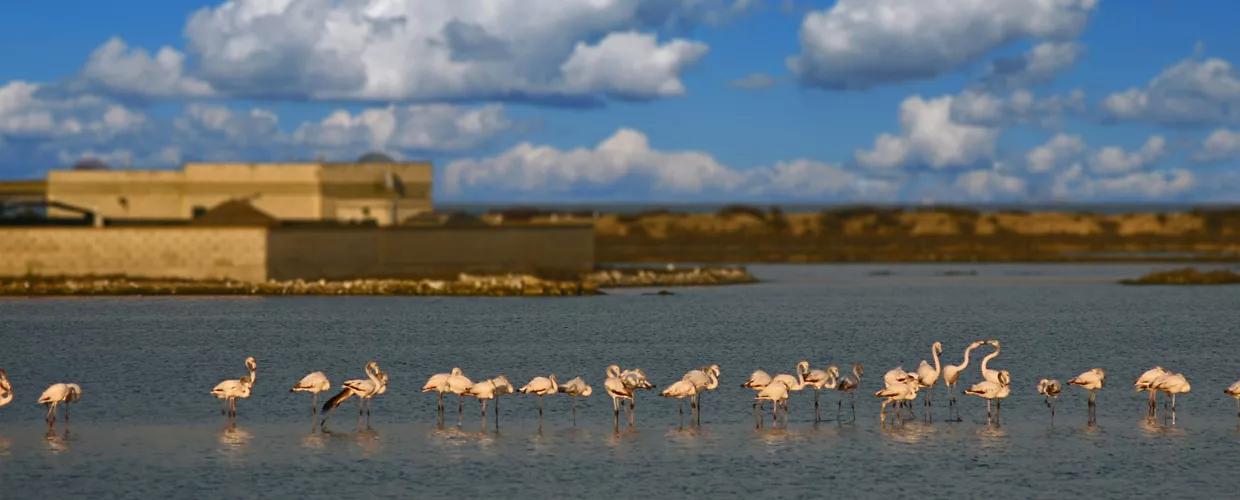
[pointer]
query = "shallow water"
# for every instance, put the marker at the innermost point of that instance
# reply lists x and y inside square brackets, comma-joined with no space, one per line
[146,425]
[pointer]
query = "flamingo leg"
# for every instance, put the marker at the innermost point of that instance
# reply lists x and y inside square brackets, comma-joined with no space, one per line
[314,406]
[1052,405]
[682,412]
[615,407]
[460,406]
[497,414]
[853,403]
[632,411]
[1092,402]
[574,411]
[484,415]
[987,413]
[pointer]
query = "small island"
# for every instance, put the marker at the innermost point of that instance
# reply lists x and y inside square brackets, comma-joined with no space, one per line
[1187,276]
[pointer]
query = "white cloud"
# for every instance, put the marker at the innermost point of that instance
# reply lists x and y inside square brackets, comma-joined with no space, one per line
[1135,185]
[433,127]
[1191,93]
[988,184]
[862,43]
[626,163]
[385,50]
[1020,107]
[1054,154]
[1040,65]
[1220,145]
[929,136]
[57,130]
[1113,159]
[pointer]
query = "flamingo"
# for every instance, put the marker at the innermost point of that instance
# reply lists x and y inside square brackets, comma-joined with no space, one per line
[458,384]
[363,389]
[819,379]
[56,394]
[758,381]
[439,383]
[928,376]
[989,374]
[484,391]
[230,390]
[991,390]
[897,376]
[575,388]
[618,390]
[6,389]
[704,379]
[901,388]
[777,393]
[1049,389]
[635,379]
[1232,390]
[1091,381]
[951,375]
[313,383]
[1143,384]
[849,384]
[540,386]
[1171,384]
[681,389]
[793,384]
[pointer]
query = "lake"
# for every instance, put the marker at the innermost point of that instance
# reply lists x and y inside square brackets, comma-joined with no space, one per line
[146,425]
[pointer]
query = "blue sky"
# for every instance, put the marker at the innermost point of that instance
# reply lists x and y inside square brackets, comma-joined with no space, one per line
[648,100]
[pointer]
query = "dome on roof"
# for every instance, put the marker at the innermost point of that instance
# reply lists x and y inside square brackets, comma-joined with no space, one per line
[90,164]
[375,157]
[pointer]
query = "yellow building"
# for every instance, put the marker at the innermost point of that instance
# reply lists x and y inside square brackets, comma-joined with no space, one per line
[384,191]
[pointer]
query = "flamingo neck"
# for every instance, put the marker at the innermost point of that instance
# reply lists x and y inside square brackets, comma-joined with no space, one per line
[937,368]
[713,381]
[967,351]
[374,377]
[987,359]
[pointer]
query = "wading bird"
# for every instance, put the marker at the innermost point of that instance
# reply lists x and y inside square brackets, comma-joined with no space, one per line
[540,386]
[1143,384]
[899,387]
[459,384]
[576,387]
[313,383]
[848,384]
[680,390]
[618,390]
[928,376]
[230,391]
[1232,390]
[6,389]
[375,384]
[1171,384]
[1049,389]
[990,374]
[56,394]
[439,383]
[1091,381]
[634,379]
[819,380]
[777,393]
[758,381]
[951,376]
[991,391]
[704,379]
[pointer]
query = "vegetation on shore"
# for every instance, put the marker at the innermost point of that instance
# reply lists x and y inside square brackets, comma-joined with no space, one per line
[463,285]
[743,233]
[1187,276]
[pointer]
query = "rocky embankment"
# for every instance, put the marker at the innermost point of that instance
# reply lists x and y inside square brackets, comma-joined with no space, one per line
[463,285]
[1187,276]
[671,276]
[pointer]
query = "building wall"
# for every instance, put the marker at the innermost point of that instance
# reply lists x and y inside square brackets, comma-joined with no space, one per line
[296,191]
[403,252]
[151,252]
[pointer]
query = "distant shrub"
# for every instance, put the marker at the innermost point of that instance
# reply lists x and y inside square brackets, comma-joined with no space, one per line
[737,210]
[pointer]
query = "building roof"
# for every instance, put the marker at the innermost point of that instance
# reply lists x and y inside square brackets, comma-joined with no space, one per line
[235,213]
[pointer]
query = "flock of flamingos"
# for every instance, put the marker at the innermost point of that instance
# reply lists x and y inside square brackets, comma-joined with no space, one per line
[900,388]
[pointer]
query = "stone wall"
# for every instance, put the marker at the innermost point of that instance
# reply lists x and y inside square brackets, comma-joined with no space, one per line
[417,252]
[145,252]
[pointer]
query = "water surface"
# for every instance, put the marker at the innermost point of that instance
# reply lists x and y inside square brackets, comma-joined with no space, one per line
[146,425]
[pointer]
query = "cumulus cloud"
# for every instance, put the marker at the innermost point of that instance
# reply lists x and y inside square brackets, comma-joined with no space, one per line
[982,108]
[1055,154]
[381,50]
[1192,93]
[929,136]
[1220,145]
[626,164]
[988,185]
[1114,160]
[37,132]
[1040,65]
[1074,184]
[857,44]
